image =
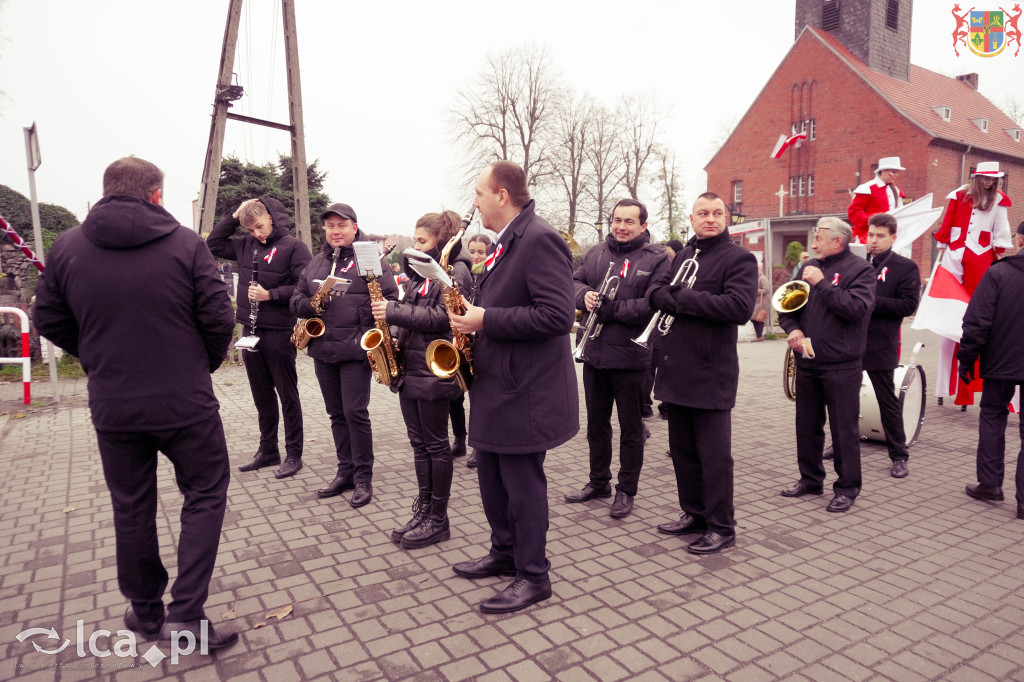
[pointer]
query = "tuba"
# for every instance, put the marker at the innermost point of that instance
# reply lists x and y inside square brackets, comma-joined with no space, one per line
[609,287]
[789,298]
[381,349]
[660,321]
[789,374]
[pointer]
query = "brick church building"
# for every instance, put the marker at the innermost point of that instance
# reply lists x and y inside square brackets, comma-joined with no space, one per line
[848,83]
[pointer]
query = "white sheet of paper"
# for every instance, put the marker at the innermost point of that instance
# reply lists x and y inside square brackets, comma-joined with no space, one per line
[367,258]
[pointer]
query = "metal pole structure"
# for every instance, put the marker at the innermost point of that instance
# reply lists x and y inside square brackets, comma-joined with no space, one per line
[300,186]
[215,148]
[34,159]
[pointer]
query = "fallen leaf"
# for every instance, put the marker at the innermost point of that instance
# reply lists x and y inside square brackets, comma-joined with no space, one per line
[69,509]
[19,415]
[280,613]
[229,614]
[259,625]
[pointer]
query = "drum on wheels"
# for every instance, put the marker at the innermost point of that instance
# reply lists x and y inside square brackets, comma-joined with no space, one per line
[910,389]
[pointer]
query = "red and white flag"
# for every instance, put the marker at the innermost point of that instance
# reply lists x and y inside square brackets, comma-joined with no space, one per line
[625,268]
[425,288]
[493,258]
[270,256]
[785,143]
[943,305]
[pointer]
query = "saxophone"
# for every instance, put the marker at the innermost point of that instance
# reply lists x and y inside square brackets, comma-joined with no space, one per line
[381,349]
[307,328]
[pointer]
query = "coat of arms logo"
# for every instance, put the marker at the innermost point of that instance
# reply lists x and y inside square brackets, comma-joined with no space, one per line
[986,33]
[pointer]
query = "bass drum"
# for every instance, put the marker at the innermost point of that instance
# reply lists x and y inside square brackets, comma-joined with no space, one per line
[910,390]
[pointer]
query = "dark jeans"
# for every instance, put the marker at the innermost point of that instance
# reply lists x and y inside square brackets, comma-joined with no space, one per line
[700,443]
[426,421]
[514,493]
[200,458]
[995,400]
[624,388]
[272,369]
[346,390]
[457,410]
[892,415]
[838,391]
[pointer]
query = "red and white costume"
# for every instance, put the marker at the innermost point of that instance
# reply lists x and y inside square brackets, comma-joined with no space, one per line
[868,199]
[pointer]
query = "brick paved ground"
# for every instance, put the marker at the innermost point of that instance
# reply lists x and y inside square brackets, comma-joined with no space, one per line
[916,582]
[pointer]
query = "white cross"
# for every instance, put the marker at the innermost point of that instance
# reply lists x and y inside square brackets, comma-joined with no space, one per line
[781,194]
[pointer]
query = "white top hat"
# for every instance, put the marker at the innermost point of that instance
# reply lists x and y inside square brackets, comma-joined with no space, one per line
[990,169]
[889,163]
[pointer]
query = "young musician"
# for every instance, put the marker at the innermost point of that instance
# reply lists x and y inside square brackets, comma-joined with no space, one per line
[424,397]
[479,245]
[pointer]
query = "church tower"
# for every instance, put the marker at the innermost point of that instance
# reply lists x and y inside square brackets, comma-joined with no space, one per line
[876,31]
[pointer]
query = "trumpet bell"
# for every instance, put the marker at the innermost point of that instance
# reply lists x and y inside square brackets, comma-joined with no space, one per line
[791,296]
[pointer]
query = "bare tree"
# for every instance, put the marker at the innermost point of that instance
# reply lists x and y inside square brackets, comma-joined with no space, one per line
[641,118]
[604,151]
[569,159]
[1013,106]
[673,206]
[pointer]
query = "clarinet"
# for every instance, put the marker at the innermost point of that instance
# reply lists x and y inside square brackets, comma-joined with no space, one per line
[249,342]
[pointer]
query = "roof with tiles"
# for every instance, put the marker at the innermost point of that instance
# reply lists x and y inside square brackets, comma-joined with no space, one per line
[926,89]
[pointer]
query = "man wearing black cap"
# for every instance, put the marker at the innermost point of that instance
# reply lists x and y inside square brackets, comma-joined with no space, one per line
[339,361]
[1018,239]
[270,261]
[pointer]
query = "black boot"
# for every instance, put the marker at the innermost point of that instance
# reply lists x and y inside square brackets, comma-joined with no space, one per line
[434,528]
[471,462]
[459,448]
[262,459]
[420,509]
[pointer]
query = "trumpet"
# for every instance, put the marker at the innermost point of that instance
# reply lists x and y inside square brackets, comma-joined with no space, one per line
[661,321]
[609,287]
[791,296]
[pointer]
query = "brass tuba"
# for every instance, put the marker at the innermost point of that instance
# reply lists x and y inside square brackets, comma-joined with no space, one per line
[791,296]
[789,374]
[381,349]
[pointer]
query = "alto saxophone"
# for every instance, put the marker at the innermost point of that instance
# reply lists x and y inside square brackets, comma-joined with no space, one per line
[381,349]
[453,358]
[307,328]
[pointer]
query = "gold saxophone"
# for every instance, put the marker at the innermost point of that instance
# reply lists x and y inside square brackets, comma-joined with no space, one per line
[447,359]
[307,328]
[381,349]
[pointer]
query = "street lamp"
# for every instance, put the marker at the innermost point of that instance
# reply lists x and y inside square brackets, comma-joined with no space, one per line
[737,215]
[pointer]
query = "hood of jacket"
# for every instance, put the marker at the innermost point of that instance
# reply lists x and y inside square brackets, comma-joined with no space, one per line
[280,218]
[120,222]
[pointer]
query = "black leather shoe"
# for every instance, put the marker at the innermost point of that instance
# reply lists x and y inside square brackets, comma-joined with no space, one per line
[362,496]
[290,467]
[899,469]
[519,594]
[149,629]
[459,447]
[684,526]
[485,567]
[622,506]
[710,542]
[261,460]
[336,487]
[214,641]
[839,503]
[800,489]
[471,462]
[588,492]
[985,492]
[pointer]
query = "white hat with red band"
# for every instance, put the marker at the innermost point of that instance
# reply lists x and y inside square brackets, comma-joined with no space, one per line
[989,169]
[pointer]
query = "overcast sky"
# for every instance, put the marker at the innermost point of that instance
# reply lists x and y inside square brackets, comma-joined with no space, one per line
[117,77]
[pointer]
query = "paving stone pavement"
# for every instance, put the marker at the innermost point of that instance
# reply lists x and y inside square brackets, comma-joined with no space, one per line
[916,582]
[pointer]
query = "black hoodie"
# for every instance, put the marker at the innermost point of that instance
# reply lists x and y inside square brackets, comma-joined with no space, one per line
[137,298]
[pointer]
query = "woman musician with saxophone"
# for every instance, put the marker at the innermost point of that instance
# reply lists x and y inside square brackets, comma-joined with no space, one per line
[339,361]
[422,317]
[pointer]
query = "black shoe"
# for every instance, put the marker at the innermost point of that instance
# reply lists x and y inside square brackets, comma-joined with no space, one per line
[336,487]
[261,460]
[362,496]
[622,506]
[710,542]
[471,462]
[800,489]
[663,413]
[684,526]
[420,509]
[485,567]
[459,447]
[839,503]
[828,453]
[290,467]
[1020,510]
[214,641]
[899,469]
[519,594]
[588,492]
[149,629]
[985,492]
[434,529]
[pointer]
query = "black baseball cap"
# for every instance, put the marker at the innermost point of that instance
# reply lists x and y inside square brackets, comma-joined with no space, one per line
[344,210]
[1020,228]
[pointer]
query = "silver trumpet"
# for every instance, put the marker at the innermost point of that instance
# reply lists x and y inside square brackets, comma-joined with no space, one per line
[661,321]
[608,289]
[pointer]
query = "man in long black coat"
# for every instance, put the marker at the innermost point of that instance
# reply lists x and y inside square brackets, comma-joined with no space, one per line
[138,299]
[524,393]
[698,373]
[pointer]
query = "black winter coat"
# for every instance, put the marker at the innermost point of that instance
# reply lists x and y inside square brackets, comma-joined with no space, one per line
[836,315]
[625,317]
[346,318]
[137,298]
[994,322]
[279,263]
[420,319]
[897,293]
[698,365]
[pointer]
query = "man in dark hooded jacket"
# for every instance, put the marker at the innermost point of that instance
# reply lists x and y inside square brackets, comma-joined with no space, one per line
[148,356]
[270,261]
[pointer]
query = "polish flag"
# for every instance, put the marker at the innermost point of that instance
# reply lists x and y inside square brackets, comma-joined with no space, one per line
[785,143]
[425,288]
[943,305]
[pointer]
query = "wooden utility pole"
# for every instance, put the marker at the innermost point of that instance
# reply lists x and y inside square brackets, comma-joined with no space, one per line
[227,92]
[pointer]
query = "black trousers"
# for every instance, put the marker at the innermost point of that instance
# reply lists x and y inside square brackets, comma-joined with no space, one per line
[623,388]
[838,391]
[758,328]
[346,390]
[700,443]
[514,493]
[892,416]
[651,373]
[199,454]
[426,421]
[272,369]
[457,409]
[995,400]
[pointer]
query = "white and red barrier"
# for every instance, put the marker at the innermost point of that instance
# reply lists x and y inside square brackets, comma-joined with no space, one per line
[26,356]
